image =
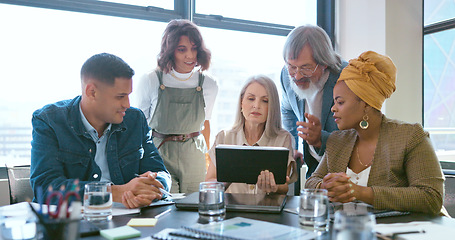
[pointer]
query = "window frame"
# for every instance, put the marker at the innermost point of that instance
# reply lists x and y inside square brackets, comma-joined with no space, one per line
[182,9]
[448,24]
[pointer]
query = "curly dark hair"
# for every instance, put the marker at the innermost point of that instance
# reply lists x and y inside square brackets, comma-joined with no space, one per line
[171,37]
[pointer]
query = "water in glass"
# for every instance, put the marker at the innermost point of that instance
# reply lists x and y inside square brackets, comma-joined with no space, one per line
[211,199]
[98,201]
[314,209]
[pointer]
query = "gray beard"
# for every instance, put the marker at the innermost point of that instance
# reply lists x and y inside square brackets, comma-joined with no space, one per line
[305,93]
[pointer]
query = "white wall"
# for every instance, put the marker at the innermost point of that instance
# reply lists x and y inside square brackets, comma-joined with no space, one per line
[394,28]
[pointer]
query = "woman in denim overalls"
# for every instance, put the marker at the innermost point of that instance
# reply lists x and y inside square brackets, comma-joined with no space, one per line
[177,99]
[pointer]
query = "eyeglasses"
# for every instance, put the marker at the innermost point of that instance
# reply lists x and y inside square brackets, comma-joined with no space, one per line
[304,71]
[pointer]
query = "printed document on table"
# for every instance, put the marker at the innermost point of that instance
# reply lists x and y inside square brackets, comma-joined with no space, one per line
[120,209]
[424,230]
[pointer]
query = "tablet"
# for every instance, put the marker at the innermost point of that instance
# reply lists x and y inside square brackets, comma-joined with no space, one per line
[240,202]
[243,164]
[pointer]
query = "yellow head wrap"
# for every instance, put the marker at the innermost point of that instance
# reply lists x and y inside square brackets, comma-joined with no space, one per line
[371,77]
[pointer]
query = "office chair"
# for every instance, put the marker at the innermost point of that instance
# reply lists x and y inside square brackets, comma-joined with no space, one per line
[19,183]
[449,198]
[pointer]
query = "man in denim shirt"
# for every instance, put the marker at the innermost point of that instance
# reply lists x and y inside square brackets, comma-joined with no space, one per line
[98,137]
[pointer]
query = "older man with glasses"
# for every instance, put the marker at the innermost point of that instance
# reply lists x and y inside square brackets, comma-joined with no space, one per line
[307,81]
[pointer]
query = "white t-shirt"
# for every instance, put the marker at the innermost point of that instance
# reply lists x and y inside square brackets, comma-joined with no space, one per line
[146,94]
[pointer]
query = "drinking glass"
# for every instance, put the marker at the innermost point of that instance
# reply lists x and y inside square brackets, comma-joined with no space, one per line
[348,226]
[314,209]
[211,199]
[98,201]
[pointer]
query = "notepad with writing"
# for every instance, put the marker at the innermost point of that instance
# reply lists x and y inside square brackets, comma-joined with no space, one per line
[118,233]
[249,229]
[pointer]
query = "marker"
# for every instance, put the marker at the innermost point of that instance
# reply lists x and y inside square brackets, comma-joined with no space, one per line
[162,214]
[161,190]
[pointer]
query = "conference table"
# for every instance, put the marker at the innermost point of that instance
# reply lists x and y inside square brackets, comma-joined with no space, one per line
[177,218]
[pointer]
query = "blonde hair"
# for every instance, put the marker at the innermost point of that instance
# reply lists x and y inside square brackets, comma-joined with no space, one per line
[273,122]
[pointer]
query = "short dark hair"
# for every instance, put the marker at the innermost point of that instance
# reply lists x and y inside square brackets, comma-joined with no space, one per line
[171,37]
[106,67]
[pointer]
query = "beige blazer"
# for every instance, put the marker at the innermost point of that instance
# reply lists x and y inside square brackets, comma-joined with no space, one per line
[405,174]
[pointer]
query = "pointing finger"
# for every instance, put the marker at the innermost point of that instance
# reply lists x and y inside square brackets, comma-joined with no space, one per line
[312,119]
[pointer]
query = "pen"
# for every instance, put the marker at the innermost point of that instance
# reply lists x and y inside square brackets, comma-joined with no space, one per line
[162,214]
[394,235]
[161,190]
[165,192]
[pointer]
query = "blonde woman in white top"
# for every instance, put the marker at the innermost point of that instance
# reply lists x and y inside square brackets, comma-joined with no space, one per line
[258,123]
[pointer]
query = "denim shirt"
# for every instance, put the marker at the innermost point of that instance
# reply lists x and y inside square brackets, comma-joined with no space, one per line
[63,150]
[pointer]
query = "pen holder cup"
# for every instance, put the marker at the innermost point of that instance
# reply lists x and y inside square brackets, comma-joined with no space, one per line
[56,229]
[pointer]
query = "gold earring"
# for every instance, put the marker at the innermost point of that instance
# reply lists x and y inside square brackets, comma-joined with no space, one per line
[364,123]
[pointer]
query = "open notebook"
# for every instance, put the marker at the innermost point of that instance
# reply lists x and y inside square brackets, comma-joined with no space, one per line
[237,228]
[240,202]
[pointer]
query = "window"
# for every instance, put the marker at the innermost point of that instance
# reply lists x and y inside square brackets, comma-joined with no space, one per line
[439,72]
[257,10]
[43,58]
[236,60]
[437,11]
[145,3]
[45,43]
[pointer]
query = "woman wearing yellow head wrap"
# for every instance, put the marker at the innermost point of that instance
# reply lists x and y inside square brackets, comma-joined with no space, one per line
[386,163]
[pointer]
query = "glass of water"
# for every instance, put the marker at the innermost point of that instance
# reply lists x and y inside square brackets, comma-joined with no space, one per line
[349,226]
[211,200]
[98,201]
[314,209]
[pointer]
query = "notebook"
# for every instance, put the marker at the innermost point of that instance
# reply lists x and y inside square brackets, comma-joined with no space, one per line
[249,229]
[243,164]
[273,203]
